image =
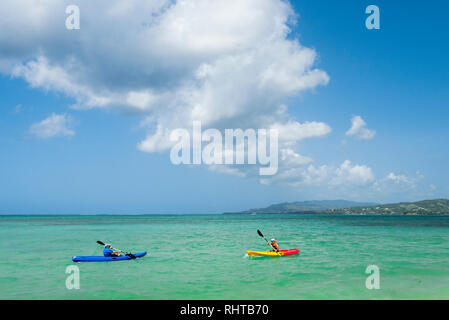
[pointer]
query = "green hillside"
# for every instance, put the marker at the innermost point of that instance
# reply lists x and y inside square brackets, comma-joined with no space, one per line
[306,206]
[425,207]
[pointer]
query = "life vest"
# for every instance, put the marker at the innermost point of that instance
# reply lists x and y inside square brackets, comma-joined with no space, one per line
[275,245]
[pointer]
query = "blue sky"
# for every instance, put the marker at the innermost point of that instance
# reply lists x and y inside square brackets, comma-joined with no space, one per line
[396,79]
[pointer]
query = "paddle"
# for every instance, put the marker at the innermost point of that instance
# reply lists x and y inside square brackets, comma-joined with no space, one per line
[260,234]
[126,253]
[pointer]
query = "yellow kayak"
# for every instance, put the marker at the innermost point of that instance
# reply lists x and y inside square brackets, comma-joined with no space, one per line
[286,252]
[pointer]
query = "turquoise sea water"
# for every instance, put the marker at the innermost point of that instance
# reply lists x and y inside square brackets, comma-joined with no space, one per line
[204,257]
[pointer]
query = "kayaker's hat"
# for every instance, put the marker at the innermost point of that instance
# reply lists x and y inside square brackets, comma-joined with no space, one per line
[107,245]
[273,239]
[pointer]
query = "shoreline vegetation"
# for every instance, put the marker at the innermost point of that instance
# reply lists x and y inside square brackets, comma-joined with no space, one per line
[343,207]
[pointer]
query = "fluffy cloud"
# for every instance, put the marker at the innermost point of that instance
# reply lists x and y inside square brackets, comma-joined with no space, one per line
[354,181]
[227,170]
[53,126]
[358,129]
[229,64]
[346,174]
[214,61]
[293,131]
[158,142]
[352,174]
[400,178]
[290,158]
[399,182]
[408,187]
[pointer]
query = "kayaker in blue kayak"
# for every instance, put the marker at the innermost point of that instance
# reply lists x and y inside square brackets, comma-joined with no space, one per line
[109,252]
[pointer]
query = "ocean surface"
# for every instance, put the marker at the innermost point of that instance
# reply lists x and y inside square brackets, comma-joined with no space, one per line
[204,257]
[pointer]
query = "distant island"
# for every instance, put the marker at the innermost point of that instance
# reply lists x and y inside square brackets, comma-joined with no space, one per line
[425,207]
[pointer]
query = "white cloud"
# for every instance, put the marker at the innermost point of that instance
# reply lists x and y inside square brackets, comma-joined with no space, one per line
[352,174]
[345,176]
[407,187]
[141,99]
[398,178]
[53,126]
[290,158]
[359,130]
[39,73]
[293,131]
[351,181]
[229,64]
[158,142]
[227,170]
[226,63]
[398,182]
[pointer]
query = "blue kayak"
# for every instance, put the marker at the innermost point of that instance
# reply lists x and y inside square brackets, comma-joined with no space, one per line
[100,258]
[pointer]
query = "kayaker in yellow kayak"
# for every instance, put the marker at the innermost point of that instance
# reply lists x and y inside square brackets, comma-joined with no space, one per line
[275,252]
[274,245]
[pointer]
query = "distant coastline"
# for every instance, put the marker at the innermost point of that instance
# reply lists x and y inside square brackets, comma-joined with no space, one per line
[343,207]
[439,207]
